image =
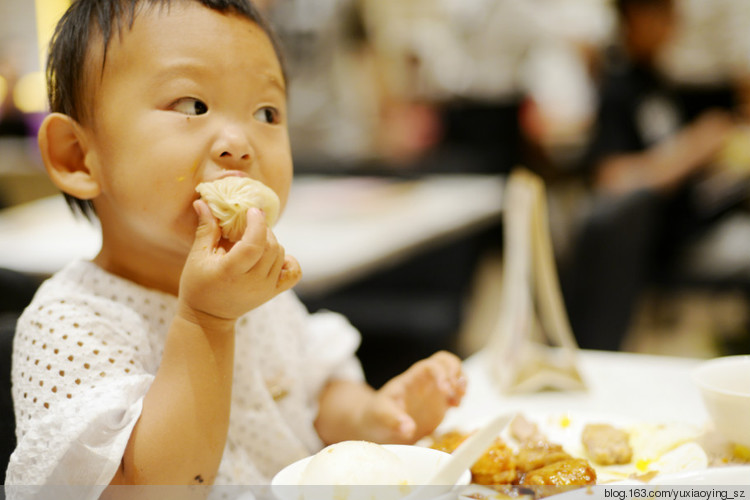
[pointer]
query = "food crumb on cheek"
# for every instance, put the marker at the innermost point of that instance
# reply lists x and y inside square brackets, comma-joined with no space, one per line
[193,168]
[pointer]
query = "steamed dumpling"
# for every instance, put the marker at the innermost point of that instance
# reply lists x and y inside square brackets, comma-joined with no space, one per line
[230,198]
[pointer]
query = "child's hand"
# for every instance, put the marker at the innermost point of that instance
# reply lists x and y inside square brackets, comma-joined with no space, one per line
[226,282]
[411,405]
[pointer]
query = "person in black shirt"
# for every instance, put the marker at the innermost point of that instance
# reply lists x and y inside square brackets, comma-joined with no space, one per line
[650,147]
[645,137]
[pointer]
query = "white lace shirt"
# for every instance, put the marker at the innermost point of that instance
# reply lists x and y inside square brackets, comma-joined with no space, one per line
[86,351]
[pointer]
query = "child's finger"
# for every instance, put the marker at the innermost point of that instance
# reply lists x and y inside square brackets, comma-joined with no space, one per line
[278,263]
[290,274]
[264,267]
[446,370]
[450,362]
[208,232]
[457,392]
[249,250]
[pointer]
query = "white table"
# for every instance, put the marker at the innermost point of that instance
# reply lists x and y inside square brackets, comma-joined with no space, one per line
[632,386]
[340,229]
[42,236]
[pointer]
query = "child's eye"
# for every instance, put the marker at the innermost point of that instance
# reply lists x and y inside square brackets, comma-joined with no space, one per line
[267,114]
[190,106]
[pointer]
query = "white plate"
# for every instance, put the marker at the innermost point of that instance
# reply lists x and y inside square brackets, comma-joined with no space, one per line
[718,476]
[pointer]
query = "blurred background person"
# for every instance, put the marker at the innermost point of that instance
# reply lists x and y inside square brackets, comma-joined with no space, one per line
[653,162]
[645,136]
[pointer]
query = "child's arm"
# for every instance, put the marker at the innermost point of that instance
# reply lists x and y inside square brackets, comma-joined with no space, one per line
[407,408]
[180,436]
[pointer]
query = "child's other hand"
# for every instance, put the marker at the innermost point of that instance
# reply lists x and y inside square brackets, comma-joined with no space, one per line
[412,404]
[226,282]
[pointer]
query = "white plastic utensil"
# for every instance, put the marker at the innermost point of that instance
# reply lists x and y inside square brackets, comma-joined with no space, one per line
[462,458]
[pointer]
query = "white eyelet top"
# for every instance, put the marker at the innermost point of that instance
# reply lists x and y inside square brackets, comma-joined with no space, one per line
[86,351]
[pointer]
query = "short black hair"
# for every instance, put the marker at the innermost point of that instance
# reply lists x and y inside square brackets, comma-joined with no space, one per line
[66,64]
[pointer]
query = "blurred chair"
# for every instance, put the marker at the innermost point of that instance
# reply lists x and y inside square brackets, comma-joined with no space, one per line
[16,291]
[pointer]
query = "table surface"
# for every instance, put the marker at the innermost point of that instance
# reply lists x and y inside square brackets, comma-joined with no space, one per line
[641,387]
[339,228]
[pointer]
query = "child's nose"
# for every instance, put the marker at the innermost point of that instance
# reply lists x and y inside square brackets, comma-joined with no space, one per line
[232,146]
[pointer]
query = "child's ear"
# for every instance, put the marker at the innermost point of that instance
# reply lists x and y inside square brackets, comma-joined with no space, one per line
[63,148]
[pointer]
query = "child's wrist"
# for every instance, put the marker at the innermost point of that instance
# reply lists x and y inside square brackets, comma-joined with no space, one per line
[204,320]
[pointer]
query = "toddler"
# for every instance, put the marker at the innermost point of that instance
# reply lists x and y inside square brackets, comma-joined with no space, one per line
[175,356]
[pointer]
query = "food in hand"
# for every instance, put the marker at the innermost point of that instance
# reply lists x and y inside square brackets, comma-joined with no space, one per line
[230,198]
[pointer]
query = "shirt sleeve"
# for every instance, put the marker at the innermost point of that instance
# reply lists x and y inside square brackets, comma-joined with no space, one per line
[334,342]
[330,347]
[79,378]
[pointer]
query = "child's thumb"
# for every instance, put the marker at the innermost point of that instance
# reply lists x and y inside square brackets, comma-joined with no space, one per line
[208,232]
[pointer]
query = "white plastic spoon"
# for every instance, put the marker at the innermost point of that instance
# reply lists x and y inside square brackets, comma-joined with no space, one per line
[462,458]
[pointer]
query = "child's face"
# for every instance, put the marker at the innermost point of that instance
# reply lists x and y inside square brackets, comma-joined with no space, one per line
[187,95]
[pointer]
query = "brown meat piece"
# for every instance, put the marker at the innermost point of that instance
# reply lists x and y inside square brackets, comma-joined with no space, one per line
[606,445]
[525,431]
[537,455]
[449,441]
[569,472]
[496,466]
